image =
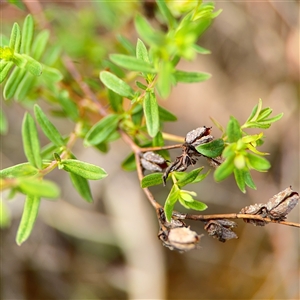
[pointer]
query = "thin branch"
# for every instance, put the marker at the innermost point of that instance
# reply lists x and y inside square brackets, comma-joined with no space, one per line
[232,216]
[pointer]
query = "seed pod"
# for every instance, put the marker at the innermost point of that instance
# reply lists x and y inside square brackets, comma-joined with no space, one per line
[181,239]
[196,134]
[221,229]
[255,209]
[280,205]
[205,139]
[153,162]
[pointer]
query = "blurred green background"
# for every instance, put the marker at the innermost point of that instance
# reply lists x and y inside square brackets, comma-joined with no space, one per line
[109,249]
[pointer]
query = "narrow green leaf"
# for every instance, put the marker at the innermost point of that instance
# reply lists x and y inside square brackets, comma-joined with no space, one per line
[31,143]
[25,87]
[248,180]
[39,44]
[27,34]
[101,131]
[5,216]
[51,75]
[264,113]
[47,127]
[33,66]
[126,44]
[196,205]
[115,100]
[5,67]
[24,169]
[189,177]
[240,179]
[68,106]
[128,163]
[170,201]
[3,123]
[116,84]
[211,149]
[201,50]
[271,120]
[151,114]
[132,63]
[82,187]
[38,188]
[164,81]
[168,209]
[233,130]
[83,169]
[258,163]
[190,77]
[30,213]
[169,18]
[15,38]
[148,34]
[255,112]
[151,180]
[141,51]
[141,86]
[225,169]
[165,115]
[13,82]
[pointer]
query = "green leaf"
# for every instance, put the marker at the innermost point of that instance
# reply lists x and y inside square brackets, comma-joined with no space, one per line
[196,205]
[141,51]
[5,67]
[30,213]
[258,163]
[38,188]
[126,44]
[48,128]
[169,18]
[165,115]
[51,75]
[248,180]
[24,169]
[116,84]
[148,34]
[17,3]
[31,143]
[151,114]
[132,63]
[32,66]
[27,34]
[201,50]
[225,169]
[115,100]
[82,186]
[5,216]
[141,86]
[128,163]
[39,44]
[83,169]
[211,149]
[240,179]
[25,87]
[15,38]
[255,112]
[151,179]
[233,130]
[190,77]
[68,106]
[170,201]
[3,123]
[164,81]
[13,82]
[189,177]
[102,130]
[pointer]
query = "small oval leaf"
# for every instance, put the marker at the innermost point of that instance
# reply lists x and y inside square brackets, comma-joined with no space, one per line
[83,169]
[151,114]
[152,179]
[82,187]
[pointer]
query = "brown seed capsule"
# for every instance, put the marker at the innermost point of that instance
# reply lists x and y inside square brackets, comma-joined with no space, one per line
[281,204]
[153,162]
[255,209]
[196,134]
[221,229]
[181,239]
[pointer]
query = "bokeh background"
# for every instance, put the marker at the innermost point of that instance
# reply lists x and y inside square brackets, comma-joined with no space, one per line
[109,249]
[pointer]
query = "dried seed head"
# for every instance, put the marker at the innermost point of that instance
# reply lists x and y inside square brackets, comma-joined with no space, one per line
[153,162]
[205,139]
[181,239]
[281,204]
[255,209]
[221,229]
[196,134]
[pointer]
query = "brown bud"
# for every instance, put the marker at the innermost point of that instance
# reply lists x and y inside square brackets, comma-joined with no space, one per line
[280,205]
[221,229]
